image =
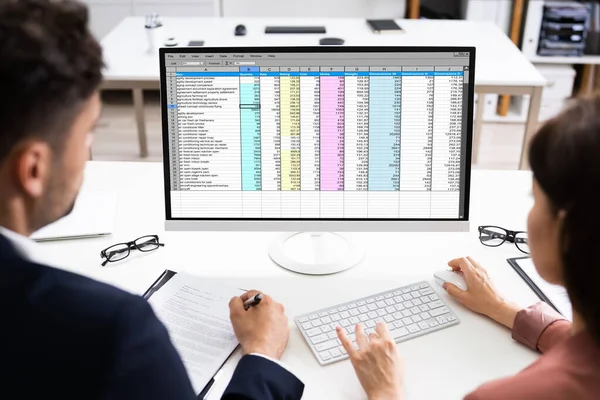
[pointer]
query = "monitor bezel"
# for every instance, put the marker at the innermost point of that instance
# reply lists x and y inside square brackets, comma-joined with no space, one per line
[318,224]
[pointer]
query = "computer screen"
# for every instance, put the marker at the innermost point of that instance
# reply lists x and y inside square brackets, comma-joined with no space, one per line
[317,134]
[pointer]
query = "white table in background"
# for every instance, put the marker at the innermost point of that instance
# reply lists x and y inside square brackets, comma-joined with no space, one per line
[442,365]
[500,66]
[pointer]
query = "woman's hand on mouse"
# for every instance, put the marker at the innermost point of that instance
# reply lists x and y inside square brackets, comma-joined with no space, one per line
[481,296]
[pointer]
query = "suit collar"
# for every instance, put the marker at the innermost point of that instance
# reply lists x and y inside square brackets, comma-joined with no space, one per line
[8,251]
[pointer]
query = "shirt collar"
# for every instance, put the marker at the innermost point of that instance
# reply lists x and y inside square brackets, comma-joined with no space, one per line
[25,247]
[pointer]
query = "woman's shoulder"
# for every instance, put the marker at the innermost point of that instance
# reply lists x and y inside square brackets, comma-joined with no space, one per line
[569,371]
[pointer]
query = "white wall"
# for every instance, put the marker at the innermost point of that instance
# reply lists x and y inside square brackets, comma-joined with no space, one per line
[315,8]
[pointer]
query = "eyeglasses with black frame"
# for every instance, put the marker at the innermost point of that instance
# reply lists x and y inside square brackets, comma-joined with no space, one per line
[120,251]
[494,236]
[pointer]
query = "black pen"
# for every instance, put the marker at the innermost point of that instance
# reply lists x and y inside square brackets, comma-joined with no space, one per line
[253,301]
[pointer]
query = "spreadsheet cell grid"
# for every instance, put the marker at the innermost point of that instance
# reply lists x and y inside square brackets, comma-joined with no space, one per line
[348,141]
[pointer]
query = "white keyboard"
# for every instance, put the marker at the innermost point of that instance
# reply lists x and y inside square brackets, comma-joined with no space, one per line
[409,312]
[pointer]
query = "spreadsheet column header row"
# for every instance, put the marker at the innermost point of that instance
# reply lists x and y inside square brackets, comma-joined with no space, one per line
[444,68]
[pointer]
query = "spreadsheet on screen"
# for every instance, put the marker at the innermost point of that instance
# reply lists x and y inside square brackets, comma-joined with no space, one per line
[293,135]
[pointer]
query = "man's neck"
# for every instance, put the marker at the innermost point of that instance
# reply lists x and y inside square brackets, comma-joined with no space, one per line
[578,323]
[13,217]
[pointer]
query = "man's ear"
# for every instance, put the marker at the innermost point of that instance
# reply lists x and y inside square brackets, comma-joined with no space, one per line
[32,164]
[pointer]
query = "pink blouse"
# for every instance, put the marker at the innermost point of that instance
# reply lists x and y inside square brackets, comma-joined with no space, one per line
[569,368]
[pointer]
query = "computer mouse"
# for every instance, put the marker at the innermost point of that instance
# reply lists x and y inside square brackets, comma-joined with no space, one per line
[331,41]
[240,30]
[452,277]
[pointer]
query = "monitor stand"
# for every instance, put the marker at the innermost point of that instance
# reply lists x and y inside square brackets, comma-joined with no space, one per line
[313,253]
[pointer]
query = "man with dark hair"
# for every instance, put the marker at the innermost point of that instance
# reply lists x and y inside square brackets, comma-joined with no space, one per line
[65,336]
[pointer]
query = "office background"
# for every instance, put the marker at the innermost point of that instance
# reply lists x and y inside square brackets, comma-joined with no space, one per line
[503,118]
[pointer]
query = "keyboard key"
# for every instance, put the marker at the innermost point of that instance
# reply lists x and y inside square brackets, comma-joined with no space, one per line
[389,295]
[314,316]
[326,320]
[423,325]
[344,323]
[390,302]
[435,304]
[425,315]
[433,297]
[335,352]
[381,304]
[425,292]
[306,325]
[441,320]
[423,286]
[354,312]
[363,317]
[415,295]
[398,324]
[319,339]
[354,320]
[424,307]
[343,308]
[399,307]
[398,333]
[369,301]
[326,345]
[433,323]
[316,322]
[372,315]
[407,290]
[351,306]
[417,302]
[415,310]
[332,335]
[407,297]
[378,298]
[397,292]
[439,311]
[313,331]
[379,319]
[381,313]
[388,318]
[408,304]
[390,309]
[325,328]
[370,324]
[325,355]
[451,318]
[417,318]
[372,307]
[413,328]
[345,314]
[334,311]
[342,350]
[361,303]
[407,320]
[364,309]
[398,315]
[399,299]
[406,313]
[303,319]
[335,317]
[323,314]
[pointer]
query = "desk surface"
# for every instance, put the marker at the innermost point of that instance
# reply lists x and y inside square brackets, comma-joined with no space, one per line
[447,364]
[498,60]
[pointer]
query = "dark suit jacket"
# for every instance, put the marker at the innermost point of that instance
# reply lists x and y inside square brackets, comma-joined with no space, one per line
[64,336]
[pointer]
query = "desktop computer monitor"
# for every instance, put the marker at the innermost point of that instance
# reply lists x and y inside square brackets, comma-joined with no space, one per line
[317,139]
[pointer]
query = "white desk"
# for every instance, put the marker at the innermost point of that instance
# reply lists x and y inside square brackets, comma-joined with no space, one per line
[500,66]
[443,365]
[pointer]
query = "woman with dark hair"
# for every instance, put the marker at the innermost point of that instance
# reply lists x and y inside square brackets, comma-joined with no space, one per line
[564,239]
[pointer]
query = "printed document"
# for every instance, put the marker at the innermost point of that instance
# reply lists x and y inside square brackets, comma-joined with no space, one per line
[196,314]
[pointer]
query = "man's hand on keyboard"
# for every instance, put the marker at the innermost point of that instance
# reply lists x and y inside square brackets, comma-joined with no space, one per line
[376,361]
[481,296]
[262,329]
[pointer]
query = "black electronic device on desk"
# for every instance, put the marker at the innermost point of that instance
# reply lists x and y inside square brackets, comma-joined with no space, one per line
[240,30]
[384,26]
[331,41]
[295,29]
